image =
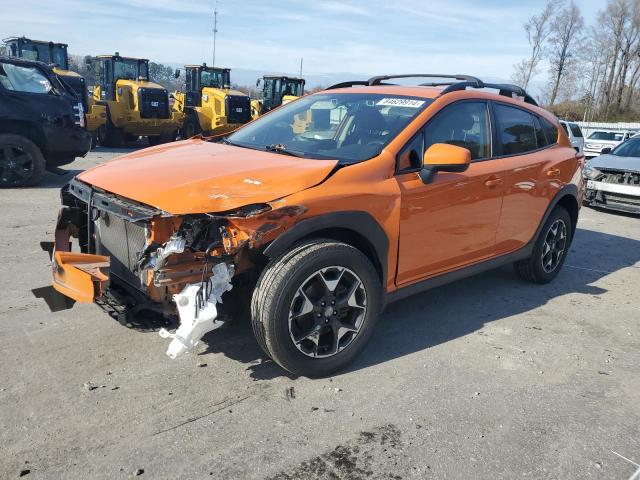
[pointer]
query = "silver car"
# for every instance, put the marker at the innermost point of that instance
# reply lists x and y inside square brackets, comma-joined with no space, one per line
[613,178]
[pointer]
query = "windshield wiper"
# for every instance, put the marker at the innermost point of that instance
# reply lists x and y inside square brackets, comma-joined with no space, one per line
[279,148]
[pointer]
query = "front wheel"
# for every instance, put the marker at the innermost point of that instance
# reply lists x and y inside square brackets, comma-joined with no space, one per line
[314,308]
[21,161]
[550,249]
[191,127]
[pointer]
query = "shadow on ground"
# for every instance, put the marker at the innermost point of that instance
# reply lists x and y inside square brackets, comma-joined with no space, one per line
[458,309]
[442,314]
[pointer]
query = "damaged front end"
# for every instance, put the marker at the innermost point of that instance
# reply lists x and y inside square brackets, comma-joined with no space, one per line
[178,264]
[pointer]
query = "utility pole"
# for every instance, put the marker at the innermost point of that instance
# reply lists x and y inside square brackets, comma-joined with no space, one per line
[215,31]
[301,67]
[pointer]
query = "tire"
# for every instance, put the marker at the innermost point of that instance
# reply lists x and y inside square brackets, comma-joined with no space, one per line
[337,333]
[537,268]
[191,127]
[113,136]
[21,162]
[160,139]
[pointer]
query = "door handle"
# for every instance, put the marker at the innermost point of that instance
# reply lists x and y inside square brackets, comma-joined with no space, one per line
[493,182]
[553,172]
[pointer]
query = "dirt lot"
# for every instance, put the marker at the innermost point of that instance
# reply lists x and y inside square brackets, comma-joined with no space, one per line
[486,378]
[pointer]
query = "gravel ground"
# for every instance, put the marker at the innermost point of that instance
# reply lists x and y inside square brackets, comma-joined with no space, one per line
[486,378]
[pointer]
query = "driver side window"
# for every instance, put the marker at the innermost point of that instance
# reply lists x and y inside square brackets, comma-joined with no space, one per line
[464,124]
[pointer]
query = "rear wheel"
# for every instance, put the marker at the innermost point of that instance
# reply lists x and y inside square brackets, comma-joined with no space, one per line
[21,162]
[550,249]
[314,308]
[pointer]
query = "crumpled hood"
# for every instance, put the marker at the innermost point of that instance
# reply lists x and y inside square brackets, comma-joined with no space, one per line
[629,164]
[196,176]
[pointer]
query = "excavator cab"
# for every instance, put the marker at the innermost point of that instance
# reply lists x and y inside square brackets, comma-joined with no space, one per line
[47,52]
[136,106]
[278,90]
[56,54]
[209,103]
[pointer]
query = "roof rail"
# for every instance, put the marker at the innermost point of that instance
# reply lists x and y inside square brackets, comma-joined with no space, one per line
[504,89]
[379,79]
[458,83]
[348,84]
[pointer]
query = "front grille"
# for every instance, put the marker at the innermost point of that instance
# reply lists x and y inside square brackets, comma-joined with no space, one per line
[153,103]
[238,109]
[620,177]
[122,241]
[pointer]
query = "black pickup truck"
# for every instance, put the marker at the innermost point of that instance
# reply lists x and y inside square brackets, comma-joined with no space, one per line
[41,122]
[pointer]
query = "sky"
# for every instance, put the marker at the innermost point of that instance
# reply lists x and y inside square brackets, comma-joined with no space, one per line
[482,37]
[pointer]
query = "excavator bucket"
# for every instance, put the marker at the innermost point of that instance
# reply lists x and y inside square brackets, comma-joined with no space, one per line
[80,276]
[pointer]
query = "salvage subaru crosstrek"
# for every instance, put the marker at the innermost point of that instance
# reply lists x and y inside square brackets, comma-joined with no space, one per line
[324,210]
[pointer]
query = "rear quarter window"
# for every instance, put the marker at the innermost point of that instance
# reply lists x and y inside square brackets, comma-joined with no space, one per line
[550,131]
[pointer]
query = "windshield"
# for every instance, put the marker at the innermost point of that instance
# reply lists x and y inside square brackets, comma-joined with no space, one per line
[23,79]
[612,136]
[350,127]
[127,69]
[213,79]
[630,148]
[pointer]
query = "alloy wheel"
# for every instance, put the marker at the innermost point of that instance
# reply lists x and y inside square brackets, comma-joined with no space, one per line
[554,246]
[327,312]
[16,165]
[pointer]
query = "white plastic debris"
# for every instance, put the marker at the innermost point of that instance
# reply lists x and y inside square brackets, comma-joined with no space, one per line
[197,313]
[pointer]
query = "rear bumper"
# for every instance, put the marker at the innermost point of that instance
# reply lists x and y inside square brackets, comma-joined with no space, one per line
[80,276]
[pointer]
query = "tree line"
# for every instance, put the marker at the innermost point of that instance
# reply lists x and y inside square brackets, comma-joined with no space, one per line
[593,71]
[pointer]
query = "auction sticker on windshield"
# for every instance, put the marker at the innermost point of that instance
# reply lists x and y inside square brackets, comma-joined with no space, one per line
[401,102]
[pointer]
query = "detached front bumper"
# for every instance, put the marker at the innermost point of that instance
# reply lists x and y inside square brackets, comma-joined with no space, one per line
[80,276]
[624,198]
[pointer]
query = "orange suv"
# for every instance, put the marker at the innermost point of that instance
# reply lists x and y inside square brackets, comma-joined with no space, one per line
[324,210]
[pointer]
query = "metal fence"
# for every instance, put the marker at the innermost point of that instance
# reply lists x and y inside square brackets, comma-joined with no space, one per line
[588,127]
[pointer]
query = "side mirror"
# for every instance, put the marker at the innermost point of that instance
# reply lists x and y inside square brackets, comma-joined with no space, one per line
[606,150]
[442,157]
[176,74]
[258,82]
[88,61]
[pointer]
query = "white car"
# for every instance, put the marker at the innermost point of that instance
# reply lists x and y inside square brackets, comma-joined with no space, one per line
[575,135]
[601,139]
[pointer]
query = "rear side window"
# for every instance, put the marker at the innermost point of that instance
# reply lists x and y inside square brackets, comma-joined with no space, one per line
[564,127]
[464,124]
[550,130]
[575,129]
[516,131]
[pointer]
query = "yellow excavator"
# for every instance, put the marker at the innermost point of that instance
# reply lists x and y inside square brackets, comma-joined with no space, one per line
[56,54]
[276,90]
[136,106]
[209,104]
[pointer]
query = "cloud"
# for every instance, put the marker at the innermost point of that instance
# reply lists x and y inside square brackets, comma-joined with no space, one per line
[358,36]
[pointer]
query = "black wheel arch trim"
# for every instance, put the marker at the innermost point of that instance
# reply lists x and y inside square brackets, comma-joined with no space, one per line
[359,222]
